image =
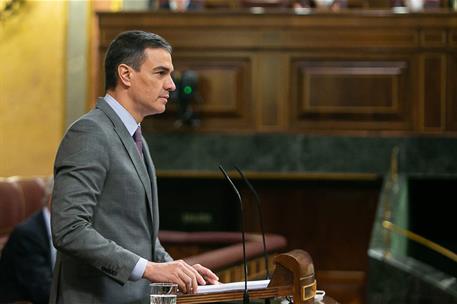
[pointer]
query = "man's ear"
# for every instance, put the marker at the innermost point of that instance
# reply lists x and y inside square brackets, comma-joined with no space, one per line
[125,74]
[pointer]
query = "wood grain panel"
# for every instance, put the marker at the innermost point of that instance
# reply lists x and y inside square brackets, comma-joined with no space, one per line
[347,91]
[330,220]
[219,83]
[243,38]
[342,89]
[271,98]
[259,77]
[453,38]
[357,37]
[451,93]
[434,96]
[433,38]
[347,287]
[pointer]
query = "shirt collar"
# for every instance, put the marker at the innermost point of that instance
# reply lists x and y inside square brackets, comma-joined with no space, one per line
[47,220]
[126,118]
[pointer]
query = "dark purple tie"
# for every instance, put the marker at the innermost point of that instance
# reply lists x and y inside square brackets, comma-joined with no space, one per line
[138,141]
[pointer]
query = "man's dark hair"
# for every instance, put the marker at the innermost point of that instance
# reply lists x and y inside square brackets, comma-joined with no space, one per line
[128,48]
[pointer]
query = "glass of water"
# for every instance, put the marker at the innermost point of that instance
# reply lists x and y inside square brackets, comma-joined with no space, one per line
[163,293]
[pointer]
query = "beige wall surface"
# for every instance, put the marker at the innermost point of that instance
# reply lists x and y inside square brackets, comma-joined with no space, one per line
[32,86]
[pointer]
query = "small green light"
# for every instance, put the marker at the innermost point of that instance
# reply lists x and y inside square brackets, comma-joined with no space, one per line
[188,90]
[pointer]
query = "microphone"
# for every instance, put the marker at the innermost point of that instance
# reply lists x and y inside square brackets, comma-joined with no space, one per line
[262,229]
[259,212]
[245,263]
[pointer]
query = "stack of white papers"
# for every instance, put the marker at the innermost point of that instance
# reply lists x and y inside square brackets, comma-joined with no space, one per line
[252,285]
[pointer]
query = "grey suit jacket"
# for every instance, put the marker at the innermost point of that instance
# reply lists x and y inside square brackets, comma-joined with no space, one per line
[104,212]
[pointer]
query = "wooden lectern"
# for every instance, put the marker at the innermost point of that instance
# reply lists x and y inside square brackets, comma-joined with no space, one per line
[293,276]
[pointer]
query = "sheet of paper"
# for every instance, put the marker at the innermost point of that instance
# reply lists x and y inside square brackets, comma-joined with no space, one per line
[233,286]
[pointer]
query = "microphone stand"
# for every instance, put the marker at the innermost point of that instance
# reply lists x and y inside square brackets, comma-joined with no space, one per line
[245,263]
[262,229]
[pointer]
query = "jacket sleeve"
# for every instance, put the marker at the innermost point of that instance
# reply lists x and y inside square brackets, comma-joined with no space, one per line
[81,167]
[160,254]
[27,268]
[32,266]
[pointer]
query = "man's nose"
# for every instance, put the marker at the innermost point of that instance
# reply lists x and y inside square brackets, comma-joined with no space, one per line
[170,85]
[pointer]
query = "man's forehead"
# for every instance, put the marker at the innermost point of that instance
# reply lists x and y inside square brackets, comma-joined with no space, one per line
[159,57]
[157,52]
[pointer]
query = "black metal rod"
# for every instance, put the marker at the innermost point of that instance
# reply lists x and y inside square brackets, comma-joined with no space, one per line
[259,209]
[245,264]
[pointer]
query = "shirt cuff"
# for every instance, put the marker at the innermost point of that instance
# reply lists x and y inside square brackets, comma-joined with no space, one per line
[138,271]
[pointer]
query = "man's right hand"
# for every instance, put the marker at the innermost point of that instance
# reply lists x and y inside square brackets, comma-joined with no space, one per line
[178,272]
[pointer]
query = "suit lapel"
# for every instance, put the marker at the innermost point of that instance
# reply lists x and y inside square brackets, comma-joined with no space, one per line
[129,145]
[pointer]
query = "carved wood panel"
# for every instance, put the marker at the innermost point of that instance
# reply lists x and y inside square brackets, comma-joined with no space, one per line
[433,38]
[334,72]
[433,102]
[350,94]
[451,91]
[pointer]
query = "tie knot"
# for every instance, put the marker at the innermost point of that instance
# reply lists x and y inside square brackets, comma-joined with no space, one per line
[138,141]
[137,134]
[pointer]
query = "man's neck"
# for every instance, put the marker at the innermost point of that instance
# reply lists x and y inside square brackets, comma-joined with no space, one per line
[124,100]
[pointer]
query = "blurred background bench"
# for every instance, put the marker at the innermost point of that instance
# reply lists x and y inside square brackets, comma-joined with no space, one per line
[220,251]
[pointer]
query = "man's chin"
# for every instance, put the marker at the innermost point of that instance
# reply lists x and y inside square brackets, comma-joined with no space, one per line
[156,111]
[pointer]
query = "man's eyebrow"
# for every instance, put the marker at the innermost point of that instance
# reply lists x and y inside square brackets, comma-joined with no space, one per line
[161,68]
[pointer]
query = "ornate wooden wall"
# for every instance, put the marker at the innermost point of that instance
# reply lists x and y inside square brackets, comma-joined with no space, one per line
[280,71]
[352,72]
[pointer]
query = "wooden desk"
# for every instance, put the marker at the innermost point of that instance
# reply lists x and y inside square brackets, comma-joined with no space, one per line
[329,300]
[293,276]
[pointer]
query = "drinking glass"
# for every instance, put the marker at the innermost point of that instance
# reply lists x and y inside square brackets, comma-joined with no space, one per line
[163,293]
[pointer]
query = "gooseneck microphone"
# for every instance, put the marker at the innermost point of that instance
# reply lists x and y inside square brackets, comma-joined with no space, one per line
[259,211]
[245,263]
[262,229]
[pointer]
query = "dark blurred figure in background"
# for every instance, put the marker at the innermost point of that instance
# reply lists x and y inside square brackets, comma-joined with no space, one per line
[28,258]
[186,96]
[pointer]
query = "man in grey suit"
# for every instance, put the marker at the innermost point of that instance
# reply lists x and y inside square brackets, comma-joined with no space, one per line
[105,210]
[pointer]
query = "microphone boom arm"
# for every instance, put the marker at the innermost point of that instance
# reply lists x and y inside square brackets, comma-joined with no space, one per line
[245,266]
[262,229]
